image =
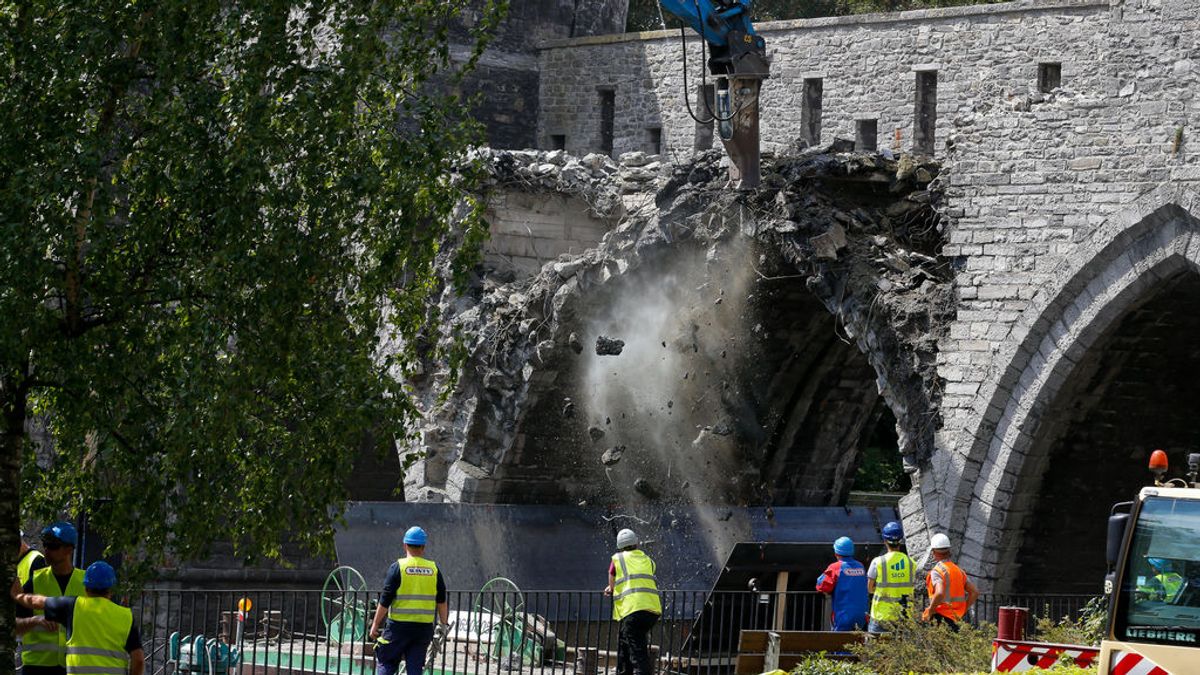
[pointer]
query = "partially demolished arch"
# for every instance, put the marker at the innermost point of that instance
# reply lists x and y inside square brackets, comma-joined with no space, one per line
[801,309]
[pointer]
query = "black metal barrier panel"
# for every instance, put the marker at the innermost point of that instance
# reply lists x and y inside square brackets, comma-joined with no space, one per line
[491,633]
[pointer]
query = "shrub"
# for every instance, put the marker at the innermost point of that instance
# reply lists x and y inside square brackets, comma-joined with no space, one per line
[916,647]
[1088,629]
[818,664]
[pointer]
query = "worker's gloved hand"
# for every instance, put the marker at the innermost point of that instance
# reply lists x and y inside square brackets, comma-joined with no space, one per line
[439,631]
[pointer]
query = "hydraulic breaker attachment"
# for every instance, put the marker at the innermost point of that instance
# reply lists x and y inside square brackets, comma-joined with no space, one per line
[737,108]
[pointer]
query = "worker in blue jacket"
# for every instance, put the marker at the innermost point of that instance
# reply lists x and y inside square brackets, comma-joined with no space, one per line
[846,581]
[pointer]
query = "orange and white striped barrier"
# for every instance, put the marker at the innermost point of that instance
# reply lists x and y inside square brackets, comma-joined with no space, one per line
[1014,657]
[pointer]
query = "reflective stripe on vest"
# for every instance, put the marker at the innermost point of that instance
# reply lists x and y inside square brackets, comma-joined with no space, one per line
[893,585]
[24,571]
[99,630]
[418,580]
[635,588]
[43,648]
[1171,583]
[954,584]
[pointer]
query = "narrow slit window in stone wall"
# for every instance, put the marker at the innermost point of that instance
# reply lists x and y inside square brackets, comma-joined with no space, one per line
[706,104]
[558,141]
[1049,77]
[654,140]
[926,112]
[866,135]
[810,111]
[608,113]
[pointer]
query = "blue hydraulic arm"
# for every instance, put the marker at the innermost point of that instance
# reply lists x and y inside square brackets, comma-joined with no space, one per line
[713,19]
[725,25]
[739,61]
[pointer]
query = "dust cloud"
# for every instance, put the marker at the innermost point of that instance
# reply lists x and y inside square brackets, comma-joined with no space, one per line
[670,404]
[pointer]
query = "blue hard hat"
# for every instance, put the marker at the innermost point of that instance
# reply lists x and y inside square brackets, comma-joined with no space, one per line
[100,576]
[415,536]
[1158,563]
[60,532]
[892,532]
[843,546]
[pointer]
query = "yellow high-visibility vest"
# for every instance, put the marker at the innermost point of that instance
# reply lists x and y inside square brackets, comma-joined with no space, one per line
[416,600]
[99,630]
[24,567]
[635,588]
[893,583]
[43,648]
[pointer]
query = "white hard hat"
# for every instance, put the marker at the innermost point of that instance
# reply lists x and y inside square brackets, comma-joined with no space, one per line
[939,541]
[627,538]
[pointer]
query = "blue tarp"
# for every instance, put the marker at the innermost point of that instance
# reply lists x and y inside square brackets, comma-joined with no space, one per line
[568,548]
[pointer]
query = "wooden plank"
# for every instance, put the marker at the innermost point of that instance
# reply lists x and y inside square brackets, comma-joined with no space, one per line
[753,664]
[755,641]
[781,599]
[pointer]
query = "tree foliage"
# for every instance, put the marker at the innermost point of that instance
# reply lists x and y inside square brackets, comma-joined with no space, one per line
[645,14]
[213,216]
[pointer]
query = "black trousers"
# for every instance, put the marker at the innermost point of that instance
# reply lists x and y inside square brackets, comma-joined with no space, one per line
[633,644]
[946,621]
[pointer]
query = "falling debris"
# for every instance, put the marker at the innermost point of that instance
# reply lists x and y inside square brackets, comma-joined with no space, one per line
[612,455]
[645,489]
[609,346]
[596,433]
[575,344]
[568,410]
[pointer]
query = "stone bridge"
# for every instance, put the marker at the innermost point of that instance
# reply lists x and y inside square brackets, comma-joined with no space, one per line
[1068,236]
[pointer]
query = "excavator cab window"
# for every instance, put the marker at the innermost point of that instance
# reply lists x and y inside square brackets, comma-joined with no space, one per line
[1159,594]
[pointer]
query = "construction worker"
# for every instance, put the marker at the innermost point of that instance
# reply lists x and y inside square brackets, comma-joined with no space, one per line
[44,642]
[102,638]
[845,581]
[951,593]
[1163,586]
[636,603]
[890,581]
[29,560]
[414,595]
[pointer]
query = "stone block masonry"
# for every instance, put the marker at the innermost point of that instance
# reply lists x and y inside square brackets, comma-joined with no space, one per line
[1065,213]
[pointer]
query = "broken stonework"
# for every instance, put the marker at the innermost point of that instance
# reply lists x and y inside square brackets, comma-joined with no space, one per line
[729,304]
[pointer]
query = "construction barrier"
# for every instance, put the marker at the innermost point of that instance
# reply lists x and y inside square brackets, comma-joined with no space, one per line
[1015,657]
[1132,663]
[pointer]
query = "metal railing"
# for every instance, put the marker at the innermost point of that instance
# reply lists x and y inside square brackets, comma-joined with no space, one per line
[534,632]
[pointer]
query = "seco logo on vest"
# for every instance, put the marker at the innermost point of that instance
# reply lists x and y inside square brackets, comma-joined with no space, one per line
[893,587]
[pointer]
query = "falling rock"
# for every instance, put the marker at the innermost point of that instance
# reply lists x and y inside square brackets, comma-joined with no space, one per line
[568,410]
[645,489]
[575,344]
[609,346]
[596,433]
[612,455]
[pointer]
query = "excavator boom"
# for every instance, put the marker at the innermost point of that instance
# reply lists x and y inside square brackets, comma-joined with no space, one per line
[739,61]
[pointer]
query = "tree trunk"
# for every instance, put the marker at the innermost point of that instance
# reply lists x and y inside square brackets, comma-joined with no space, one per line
[14,401]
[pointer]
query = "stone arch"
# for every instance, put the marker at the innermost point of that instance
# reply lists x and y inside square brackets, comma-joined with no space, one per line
[981,499]
[787,430]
